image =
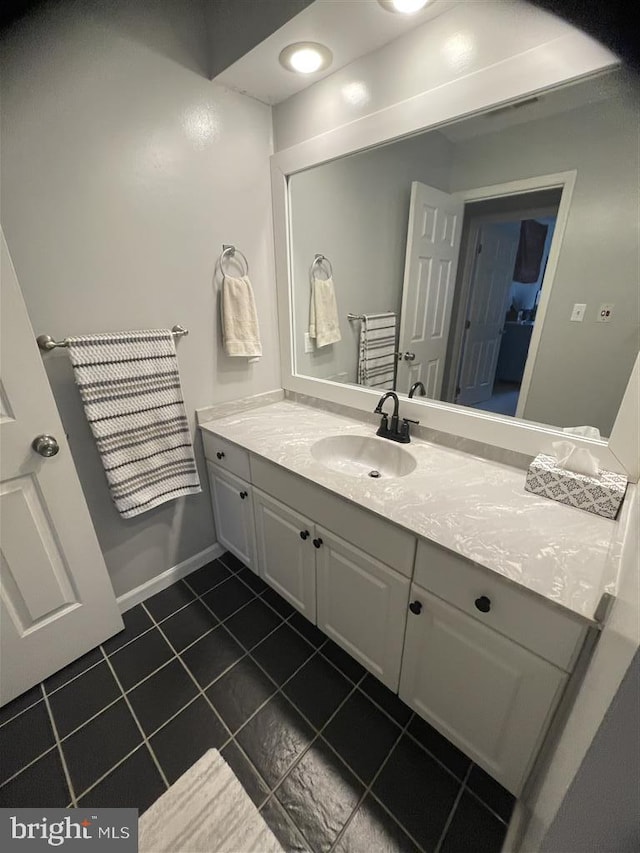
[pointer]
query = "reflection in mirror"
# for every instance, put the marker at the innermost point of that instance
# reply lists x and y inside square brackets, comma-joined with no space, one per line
[491,263]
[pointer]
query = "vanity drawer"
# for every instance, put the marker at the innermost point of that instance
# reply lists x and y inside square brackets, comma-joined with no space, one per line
[379,538]
[226,455]
[542,628]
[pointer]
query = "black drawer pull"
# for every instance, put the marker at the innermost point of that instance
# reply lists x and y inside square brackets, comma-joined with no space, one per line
[416,607]
[220,454]
[483,604]
[317,542]
[243,495]
[304,534]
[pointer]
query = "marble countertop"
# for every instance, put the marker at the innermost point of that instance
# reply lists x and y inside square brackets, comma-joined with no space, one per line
[472,506]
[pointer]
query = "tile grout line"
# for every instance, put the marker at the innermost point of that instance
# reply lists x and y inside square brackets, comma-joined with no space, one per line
[449,820]
[368,790]
[23,711]
[120,761]
[137,721]
[27,766]
[199,688]
[63,760]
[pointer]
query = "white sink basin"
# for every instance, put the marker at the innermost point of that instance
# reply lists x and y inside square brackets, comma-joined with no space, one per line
[363,456]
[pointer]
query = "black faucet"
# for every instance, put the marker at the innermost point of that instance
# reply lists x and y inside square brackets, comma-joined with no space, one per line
[417,386]
[395,431]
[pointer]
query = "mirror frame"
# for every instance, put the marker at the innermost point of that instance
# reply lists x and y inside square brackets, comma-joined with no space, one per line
[510,81]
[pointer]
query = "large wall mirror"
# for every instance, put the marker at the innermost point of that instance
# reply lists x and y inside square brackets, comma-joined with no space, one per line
[491,263]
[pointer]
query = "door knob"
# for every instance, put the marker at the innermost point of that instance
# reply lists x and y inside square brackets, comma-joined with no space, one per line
[317,542]
[409,356]
[416,607]
[220,454]
[45,445]
[304,534]
[243,495]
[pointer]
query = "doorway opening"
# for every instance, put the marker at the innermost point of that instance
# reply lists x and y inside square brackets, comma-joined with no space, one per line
[506,243]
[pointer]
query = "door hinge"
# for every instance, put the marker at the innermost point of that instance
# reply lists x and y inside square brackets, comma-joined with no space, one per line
[467,324]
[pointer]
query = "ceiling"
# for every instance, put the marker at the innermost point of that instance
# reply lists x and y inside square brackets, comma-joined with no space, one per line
[350,28]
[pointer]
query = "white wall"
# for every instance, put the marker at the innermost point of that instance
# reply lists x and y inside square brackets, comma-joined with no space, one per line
[582,368]
[355,211]
[123,170]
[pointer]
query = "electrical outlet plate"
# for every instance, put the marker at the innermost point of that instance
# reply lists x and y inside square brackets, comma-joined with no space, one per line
[605,313]
[308,343]
[577,315]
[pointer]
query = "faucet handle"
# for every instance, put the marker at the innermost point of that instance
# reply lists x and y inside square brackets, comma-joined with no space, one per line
[410,421]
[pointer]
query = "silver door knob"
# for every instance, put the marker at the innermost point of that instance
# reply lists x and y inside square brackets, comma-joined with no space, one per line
[45,445]
[409,356]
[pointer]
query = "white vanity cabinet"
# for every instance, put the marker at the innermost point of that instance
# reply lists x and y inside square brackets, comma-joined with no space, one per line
[488,695]
[232,495]
[362,605]
[285,552]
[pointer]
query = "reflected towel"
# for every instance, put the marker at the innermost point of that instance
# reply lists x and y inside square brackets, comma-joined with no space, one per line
[324,325]
[377,354]
[240,329]
[130,389]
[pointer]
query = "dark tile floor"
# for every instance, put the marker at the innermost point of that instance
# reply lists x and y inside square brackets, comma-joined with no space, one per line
[332,758]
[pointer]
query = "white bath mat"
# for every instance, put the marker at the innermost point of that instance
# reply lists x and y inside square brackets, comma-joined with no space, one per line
[206,811]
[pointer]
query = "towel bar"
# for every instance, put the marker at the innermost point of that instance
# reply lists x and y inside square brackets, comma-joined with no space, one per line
[46,342]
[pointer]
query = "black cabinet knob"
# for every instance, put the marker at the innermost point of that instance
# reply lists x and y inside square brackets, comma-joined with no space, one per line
[220,454]
[304,534]
[483,604]
[416,607]
[317,542]
[243,495]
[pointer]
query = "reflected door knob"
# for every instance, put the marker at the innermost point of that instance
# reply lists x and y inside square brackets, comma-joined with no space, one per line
[416,607]
[409,356]
[45,445]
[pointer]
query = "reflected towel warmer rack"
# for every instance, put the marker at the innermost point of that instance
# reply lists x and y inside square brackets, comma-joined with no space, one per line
[46,342]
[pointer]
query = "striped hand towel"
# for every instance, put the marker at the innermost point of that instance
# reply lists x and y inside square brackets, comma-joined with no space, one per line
[130,389]
[377,356]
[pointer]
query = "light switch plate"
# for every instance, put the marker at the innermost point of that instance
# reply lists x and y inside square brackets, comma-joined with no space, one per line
[577,315]
[605,313]
[308,343]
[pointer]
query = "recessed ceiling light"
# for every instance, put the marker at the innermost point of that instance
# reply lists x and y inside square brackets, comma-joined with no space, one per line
[405,7]
[306,57]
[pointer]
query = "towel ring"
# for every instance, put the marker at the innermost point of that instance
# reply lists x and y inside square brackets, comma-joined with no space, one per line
[231,251]
[319,260]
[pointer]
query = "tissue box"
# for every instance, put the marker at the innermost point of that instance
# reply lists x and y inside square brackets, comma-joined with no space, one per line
[601,495]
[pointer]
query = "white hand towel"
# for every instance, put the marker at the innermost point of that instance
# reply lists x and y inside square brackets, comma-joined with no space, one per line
[324,325]
[584,431]
[240,329]
[130,389]
[576,459]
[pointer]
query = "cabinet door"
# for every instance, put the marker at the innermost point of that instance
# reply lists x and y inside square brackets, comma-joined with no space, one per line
[362,605]
[485,693]
[233,511]
[286,559]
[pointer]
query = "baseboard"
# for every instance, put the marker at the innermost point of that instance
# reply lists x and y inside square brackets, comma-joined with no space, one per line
[175,573]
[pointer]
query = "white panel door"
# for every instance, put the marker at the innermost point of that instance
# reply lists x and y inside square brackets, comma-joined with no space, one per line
[285,552]
[233,513]
[488,302]
[56,599]
[362,605]
[431,263]
[485,693]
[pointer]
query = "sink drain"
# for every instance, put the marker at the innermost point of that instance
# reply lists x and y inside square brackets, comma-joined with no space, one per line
[375,474]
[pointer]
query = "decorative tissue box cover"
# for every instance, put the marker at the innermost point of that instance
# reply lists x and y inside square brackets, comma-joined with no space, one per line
[601,495]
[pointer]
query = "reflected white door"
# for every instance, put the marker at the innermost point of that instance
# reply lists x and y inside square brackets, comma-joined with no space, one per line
[56,598]
[488,297]
[431,263]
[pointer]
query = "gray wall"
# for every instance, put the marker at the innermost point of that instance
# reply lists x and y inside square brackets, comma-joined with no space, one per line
[237,26]
[582,368]
[124,169]
[355,211]
[600,811]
